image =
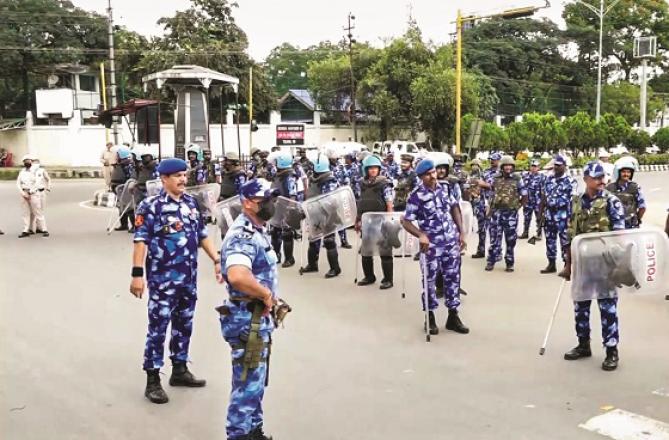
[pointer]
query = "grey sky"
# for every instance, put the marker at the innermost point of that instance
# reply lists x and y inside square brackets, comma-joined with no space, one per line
[269,23]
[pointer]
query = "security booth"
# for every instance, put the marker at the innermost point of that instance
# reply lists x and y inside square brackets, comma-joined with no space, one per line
[145,126]
[192,85]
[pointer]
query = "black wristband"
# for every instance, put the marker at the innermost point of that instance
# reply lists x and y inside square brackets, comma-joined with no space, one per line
[137,272]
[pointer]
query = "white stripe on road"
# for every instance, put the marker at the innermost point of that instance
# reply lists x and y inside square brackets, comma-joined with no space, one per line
[623,425]
[664,392]
[88,204]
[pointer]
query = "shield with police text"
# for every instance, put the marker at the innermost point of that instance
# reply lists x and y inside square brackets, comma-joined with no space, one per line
[206,195]
[632,260]
[153,187]
[226,212]
[383,234]
[288,214]
[329,213]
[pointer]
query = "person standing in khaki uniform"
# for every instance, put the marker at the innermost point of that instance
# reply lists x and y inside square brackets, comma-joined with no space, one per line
[42,187]
[30,200]
[108,159]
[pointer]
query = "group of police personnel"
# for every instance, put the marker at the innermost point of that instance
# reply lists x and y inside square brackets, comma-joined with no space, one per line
[170,227]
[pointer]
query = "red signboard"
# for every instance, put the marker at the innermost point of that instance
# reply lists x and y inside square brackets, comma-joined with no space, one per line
[290,134]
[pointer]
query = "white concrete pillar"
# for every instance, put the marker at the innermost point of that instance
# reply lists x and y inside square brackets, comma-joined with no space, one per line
[518,118]
[230,118]
[274,117]
[498,120]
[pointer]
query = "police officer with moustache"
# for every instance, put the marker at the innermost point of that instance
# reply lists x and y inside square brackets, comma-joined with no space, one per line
[407,181]
[534,181]
[210,168]
[285,181]
[485,183]
[322,182]
[250,270]
[233,176]
[596,210]
[508,195]
[628,192]
[376,196]
[441,237]
[555,208]
[169,231]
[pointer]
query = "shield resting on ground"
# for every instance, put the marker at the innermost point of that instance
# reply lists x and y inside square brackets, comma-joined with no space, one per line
[329,213]
[469,224]
[226,212]
[382,234]
[206,195]
[125,198]
[288,214]
[153,187]
[632,260]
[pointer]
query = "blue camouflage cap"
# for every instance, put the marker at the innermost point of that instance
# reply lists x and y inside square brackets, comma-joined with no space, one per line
[256,188]
[594,169]
[496,156]
[424,166]
[171,166]
[559,159]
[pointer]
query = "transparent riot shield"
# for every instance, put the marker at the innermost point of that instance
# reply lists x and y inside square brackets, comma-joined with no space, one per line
[632,260]
[329,213]
[206,195]
[125,201]
[226,212]
[382,234]
[153,187]
[288,214]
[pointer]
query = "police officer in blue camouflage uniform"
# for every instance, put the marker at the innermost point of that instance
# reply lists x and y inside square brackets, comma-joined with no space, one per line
[390,168]
[596,210]
[302,180]
[353,173]
[534,182]
[250,270]
[285,181]
[376,195]
[343,179]
[322,182]
[485,183]
[124,170]
[439,233]
[477,199]
[169,231]
[628,191]
[555,209]
[508,194]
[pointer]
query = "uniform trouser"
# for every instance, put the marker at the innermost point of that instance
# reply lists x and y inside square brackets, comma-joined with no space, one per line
[106,173]
[478,206]
[503,222]
[245,411]
[287,238]
[527,218]
[342,236]
[386,267]
[328,243]
[555,229]
[608,312]
[32,211]
[444,263]
[175,305]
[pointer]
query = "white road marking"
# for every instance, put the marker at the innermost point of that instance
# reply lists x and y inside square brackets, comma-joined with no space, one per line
[664,392]
[655,190]
[85,203]
[624,425]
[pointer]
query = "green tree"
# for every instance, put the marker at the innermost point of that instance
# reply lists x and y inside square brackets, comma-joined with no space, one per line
[330,82]
[616,128]
[661,139]
[494,138]
[623,98]
[39,35]
[520,136]
[638,141]
[583,133]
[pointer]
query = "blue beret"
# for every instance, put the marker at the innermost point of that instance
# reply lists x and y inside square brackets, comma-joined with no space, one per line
[496,156]
[424,166]
[594,169]
[171,166]
[255,188]
[559,160]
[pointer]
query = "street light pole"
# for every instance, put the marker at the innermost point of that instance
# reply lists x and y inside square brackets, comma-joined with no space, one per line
[112,68]
[351,40]
[458,82]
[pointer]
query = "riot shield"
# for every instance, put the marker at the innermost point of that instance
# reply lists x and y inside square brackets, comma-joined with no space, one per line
[632,260]
[226,212]
[469,223]
[287,214]
[125,199]
[206,195]
[153,187]
[382,234]
[329,213]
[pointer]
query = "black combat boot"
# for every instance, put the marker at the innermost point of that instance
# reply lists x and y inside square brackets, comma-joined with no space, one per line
[489,266]
[333,260]
[258,434]
[611,361]
[154,391]
[387,268]
[524,235]
[509,268]
[479,254]
[181,377]
[368,271]
[288,246]
[312,262]
[431,324]
[550,268]
[582,350]
[453,323]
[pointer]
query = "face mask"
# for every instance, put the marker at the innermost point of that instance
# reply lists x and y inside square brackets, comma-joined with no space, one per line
[266,210]
[27,165]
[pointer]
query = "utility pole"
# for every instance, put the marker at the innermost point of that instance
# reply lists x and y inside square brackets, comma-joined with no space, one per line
[642,107]
[458,82]
[351,40]
[250,109]
[112,68]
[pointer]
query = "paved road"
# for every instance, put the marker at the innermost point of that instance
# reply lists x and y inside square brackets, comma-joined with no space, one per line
[352,363]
